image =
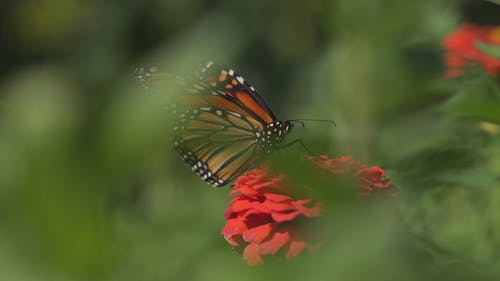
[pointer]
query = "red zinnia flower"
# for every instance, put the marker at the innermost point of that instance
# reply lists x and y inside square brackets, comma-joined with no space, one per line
[461,49]
[265,217]
[371,179]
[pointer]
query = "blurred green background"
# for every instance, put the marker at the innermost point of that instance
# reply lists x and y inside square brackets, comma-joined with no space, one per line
[90,188]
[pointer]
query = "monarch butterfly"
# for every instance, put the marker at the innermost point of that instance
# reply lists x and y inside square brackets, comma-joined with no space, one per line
[221,124]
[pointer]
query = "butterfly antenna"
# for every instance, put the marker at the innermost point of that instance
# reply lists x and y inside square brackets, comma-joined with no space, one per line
[301,121]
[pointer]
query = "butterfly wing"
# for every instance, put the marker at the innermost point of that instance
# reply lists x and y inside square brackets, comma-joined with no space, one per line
[156,81]
[218,144]
[233,85]
[224,82]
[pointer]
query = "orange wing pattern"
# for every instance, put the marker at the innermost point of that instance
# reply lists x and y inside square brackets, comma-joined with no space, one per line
[240,91]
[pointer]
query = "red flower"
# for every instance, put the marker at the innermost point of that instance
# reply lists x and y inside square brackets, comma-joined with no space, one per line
[461,50]
[371,179]
[265,217]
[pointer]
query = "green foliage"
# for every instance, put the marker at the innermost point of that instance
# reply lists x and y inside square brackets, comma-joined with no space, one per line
[488,49]
[479,98]
[91,190]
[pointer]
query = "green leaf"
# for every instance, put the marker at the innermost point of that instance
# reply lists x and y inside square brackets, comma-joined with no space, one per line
[489,49]
[477,177]
[477,99]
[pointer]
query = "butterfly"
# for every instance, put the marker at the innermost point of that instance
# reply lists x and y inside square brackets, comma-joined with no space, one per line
[220,124]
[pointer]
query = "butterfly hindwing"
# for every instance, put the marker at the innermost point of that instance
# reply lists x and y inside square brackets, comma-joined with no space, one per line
[217,146]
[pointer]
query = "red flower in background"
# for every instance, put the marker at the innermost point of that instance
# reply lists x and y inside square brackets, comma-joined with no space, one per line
[461,51]
[371,179]
[266,218]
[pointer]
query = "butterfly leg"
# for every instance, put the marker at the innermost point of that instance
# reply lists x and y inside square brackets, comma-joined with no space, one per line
[299,140]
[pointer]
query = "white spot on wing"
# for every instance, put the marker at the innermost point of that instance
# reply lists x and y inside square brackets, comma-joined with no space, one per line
[209,64]
[236,114]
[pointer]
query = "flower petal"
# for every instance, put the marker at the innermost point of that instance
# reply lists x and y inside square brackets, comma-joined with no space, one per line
[246,190]
[277,242]
[276,197]
[251,255]
[263,185]
[241,205]
[314,211]
[295,248]
[282,217]
[278,207]
[257,234]
[233,227]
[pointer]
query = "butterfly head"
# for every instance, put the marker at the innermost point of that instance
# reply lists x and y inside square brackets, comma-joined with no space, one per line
[273,134]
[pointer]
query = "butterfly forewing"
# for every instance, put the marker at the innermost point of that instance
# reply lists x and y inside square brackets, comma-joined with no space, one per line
[150,78]
[216,147]
[233,85]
